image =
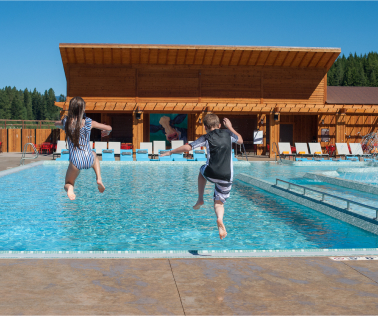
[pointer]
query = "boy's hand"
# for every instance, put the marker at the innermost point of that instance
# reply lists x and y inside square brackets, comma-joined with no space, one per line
[105,133]
[167,153]
[227,123]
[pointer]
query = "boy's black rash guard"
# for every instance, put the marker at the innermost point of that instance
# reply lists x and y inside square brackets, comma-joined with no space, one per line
[219,153]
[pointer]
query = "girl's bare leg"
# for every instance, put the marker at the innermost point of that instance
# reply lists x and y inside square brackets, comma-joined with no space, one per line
[219,212]
[71,175]
[96,168]
[201,189]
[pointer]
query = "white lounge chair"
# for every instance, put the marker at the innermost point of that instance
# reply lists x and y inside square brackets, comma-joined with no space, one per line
[285,150]
[116,146]
[177,143]
[356,150]
[342,149]
[158,145]
[61,144]
[316,150]
[91,145]
[146,145]
[99,146]
[302,149]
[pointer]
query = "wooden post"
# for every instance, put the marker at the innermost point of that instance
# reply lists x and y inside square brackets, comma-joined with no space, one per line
[199,128]
[274,127]
[340,128]
[137,131]
[261,149]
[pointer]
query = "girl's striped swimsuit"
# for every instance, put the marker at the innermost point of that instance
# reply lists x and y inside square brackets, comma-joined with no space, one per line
[81,158]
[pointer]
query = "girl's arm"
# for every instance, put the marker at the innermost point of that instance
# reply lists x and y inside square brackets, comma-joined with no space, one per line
[58,124]
[105,129]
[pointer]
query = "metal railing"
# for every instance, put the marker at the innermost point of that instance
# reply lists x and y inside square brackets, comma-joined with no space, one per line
[330,195]
[23,158]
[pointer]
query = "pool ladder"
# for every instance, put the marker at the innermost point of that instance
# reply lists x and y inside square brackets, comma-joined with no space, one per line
[23,158]
[277,151]
[323,194]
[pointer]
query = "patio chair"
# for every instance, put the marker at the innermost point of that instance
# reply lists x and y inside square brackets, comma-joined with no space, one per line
[100,146]
[353,158]
[126,155]
[61,144]
[108,155]
[142,155]
[177,143]
[233,156]
[316,150]
[302,150]
[64,155]
[165,158]
[158,145]
[148,146]
[178,157]
[116,146]
[342,149]
[356,150]
[199,155]
[285,150]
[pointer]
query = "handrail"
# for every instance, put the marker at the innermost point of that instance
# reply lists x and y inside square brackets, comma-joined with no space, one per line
[278,152]
[24,152]
[327,194]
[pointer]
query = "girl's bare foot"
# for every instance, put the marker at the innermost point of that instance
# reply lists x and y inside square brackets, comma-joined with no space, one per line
[221,229]
[70,193]
[100,185]
[198,204]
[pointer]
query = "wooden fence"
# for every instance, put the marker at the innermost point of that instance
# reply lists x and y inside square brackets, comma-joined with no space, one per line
[26,124]
[14,139]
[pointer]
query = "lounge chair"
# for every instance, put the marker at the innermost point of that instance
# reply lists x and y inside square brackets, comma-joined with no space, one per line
[285,150]
[353,158]
[126,155]
[316,150]
[116,146]
[177,143]
[158,145]
[146,145]
[233,156]
[165,158]
[199,155]
[60,145]
[178,157]
[142,155]
[342,149]
[99,146]
[108,155]
[302,150]
[64,155]
[303,159]
[356,150]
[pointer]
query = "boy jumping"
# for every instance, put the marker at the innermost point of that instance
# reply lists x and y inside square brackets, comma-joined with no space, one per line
[218,168]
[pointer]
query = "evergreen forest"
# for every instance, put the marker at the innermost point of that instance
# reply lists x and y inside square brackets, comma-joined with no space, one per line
[26,105]
[354,70]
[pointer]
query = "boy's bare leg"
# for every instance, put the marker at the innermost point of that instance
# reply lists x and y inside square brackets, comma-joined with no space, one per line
[97,170]
[201,189]
[219,212]
[71,175]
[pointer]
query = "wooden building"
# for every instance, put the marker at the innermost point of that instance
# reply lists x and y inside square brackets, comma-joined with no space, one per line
[279,90]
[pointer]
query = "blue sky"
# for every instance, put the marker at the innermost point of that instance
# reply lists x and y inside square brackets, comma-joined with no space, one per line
[31,31]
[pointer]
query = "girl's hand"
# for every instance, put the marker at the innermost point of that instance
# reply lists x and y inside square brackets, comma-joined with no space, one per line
[105,133]
[227,123]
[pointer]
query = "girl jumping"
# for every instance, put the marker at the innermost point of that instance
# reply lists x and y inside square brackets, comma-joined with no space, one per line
[78,131]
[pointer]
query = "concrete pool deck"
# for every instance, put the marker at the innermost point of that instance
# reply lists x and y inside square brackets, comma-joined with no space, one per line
[245,286]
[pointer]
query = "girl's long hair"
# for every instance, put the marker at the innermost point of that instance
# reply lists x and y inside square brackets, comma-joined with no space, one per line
[74,119]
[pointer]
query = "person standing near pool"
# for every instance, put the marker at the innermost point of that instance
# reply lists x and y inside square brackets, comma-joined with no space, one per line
[78,131]
[218,168]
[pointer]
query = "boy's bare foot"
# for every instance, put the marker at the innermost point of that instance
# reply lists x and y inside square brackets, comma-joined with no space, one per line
[198,205]
[222,229]
[70,193]
[101,186]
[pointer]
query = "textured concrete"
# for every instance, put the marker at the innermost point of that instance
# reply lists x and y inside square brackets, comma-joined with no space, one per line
[253,286]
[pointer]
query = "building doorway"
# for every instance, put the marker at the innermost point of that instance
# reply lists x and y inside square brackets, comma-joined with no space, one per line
[286,133]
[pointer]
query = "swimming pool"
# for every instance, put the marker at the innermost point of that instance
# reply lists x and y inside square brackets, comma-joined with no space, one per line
[149,207]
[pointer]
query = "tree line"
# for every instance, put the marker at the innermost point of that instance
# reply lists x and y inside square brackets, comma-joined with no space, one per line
[354,71]
[26,105]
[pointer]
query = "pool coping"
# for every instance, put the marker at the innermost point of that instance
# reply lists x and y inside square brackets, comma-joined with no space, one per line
[20,168]
[197,254]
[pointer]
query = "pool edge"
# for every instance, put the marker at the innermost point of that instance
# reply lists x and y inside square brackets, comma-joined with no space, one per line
[20,168]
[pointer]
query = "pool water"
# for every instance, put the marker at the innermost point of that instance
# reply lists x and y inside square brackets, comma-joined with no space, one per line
[149,207]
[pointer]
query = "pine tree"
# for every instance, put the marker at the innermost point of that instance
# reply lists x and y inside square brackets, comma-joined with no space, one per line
[17,108]
[5,105]
[28,105]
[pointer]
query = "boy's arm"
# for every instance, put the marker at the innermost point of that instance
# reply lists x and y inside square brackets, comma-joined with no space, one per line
[58,124]
[105,129]
[177,150]
[228,125]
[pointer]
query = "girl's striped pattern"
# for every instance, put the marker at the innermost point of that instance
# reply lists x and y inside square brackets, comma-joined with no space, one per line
[81,158]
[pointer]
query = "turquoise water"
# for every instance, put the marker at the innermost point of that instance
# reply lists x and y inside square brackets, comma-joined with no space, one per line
[365,177]
[149,207]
